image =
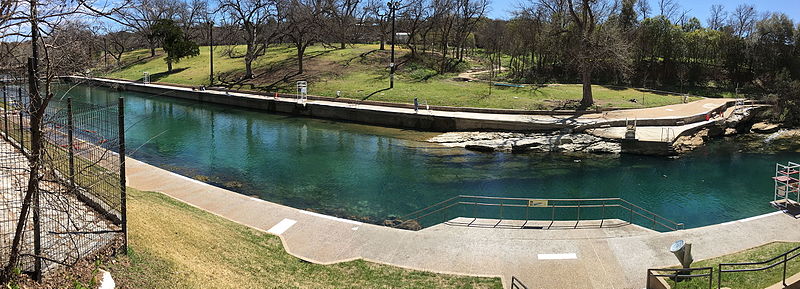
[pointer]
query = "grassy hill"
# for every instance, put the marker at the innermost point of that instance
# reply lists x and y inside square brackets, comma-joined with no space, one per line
[361,72]
[174,245]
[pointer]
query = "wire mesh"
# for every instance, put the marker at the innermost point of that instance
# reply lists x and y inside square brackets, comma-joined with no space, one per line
[78,185]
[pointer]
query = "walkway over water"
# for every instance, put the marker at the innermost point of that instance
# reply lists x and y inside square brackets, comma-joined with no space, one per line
[614,257]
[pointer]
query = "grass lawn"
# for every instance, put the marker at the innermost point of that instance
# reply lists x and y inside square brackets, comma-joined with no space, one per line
[360,72]
[746,280]
[174,245]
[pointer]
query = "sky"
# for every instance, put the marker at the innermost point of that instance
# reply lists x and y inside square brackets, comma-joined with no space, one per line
[501,9]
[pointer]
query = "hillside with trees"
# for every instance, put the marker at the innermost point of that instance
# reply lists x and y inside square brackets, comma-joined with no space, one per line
[653,45]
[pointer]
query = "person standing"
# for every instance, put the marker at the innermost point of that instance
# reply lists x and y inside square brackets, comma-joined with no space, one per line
[416,105]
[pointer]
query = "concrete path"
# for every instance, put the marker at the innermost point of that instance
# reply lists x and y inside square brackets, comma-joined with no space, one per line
[677,111]
[570,258]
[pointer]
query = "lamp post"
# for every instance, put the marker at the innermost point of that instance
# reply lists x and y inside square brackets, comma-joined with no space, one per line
[393,5]
[211,52]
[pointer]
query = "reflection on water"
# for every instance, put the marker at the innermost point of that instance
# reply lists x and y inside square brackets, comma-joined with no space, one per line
[369,173]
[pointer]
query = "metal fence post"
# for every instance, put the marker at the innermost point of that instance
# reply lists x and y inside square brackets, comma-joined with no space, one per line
[501,210]
[579,216]
[654,221]
[122,185]
[603,215]
[630,216]
[711,278]
[21,131]
[785,259]
[719,276]
[71,143]
[5,110]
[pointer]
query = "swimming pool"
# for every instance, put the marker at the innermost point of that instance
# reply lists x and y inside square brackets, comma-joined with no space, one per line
[370,173]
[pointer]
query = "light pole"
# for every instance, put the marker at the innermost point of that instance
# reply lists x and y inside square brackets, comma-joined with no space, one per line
[211,52]
[393,5]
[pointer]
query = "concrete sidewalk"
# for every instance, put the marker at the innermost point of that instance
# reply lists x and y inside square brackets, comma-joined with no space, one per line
[673,115]
[578,258]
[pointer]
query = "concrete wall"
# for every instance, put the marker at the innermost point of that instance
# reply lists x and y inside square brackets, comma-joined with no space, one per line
[647,147]
[419,121]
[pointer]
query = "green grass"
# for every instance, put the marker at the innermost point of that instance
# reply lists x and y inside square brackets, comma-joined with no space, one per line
[174,245]
[360,72]
[745,280]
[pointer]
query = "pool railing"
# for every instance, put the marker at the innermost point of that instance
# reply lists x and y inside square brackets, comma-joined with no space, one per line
[535,209]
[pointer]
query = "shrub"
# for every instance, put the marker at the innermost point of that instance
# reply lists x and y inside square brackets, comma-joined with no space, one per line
[422,74]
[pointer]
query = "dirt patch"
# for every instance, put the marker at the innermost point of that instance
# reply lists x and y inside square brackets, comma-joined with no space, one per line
[316,67]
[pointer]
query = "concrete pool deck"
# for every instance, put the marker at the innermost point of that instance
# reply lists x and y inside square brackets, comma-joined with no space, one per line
[651,121]
[614,257]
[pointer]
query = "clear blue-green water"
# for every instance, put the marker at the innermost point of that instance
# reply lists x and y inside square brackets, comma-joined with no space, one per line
[370,173]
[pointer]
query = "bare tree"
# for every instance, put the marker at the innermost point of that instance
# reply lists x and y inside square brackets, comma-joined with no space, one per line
[585,22]
[260,20]
[303,25]
[115,43]
[345,16]
[469,13]
[644,8]
[596,46]
[717,17]
[743,20]
[668,8]
[378,13]
[141,15]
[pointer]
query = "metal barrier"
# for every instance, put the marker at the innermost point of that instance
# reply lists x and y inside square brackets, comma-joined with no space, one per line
[680,274]
[516,284]
[526,208]
[784,258]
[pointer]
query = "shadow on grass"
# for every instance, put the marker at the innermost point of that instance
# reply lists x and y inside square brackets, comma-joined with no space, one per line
[375,92]
[155,77]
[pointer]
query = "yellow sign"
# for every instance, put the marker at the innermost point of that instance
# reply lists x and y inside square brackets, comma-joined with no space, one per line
[537,203]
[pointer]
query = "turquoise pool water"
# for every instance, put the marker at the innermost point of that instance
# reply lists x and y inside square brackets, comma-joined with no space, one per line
[370,173]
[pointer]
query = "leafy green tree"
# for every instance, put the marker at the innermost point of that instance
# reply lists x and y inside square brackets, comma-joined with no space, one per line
[176,44]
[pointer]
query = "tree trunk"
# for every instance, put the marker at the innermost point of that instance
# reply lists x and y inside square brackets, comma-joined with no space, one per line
[249,55]
[248,68]
[300,52]
[586,78]
[341,46]
[152,50]
[383,44]
[169,66]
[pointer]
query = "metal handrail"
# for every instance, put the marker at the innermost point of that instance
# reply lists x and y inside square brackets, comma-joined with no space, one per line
[517,284]
[503,202]
[783,262]
[680,274]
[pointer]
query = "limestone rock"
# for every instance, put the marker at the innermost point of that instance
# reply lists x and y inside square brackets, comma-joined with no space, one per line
[716,130]
[533,142]
[764,127]
[688,143]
